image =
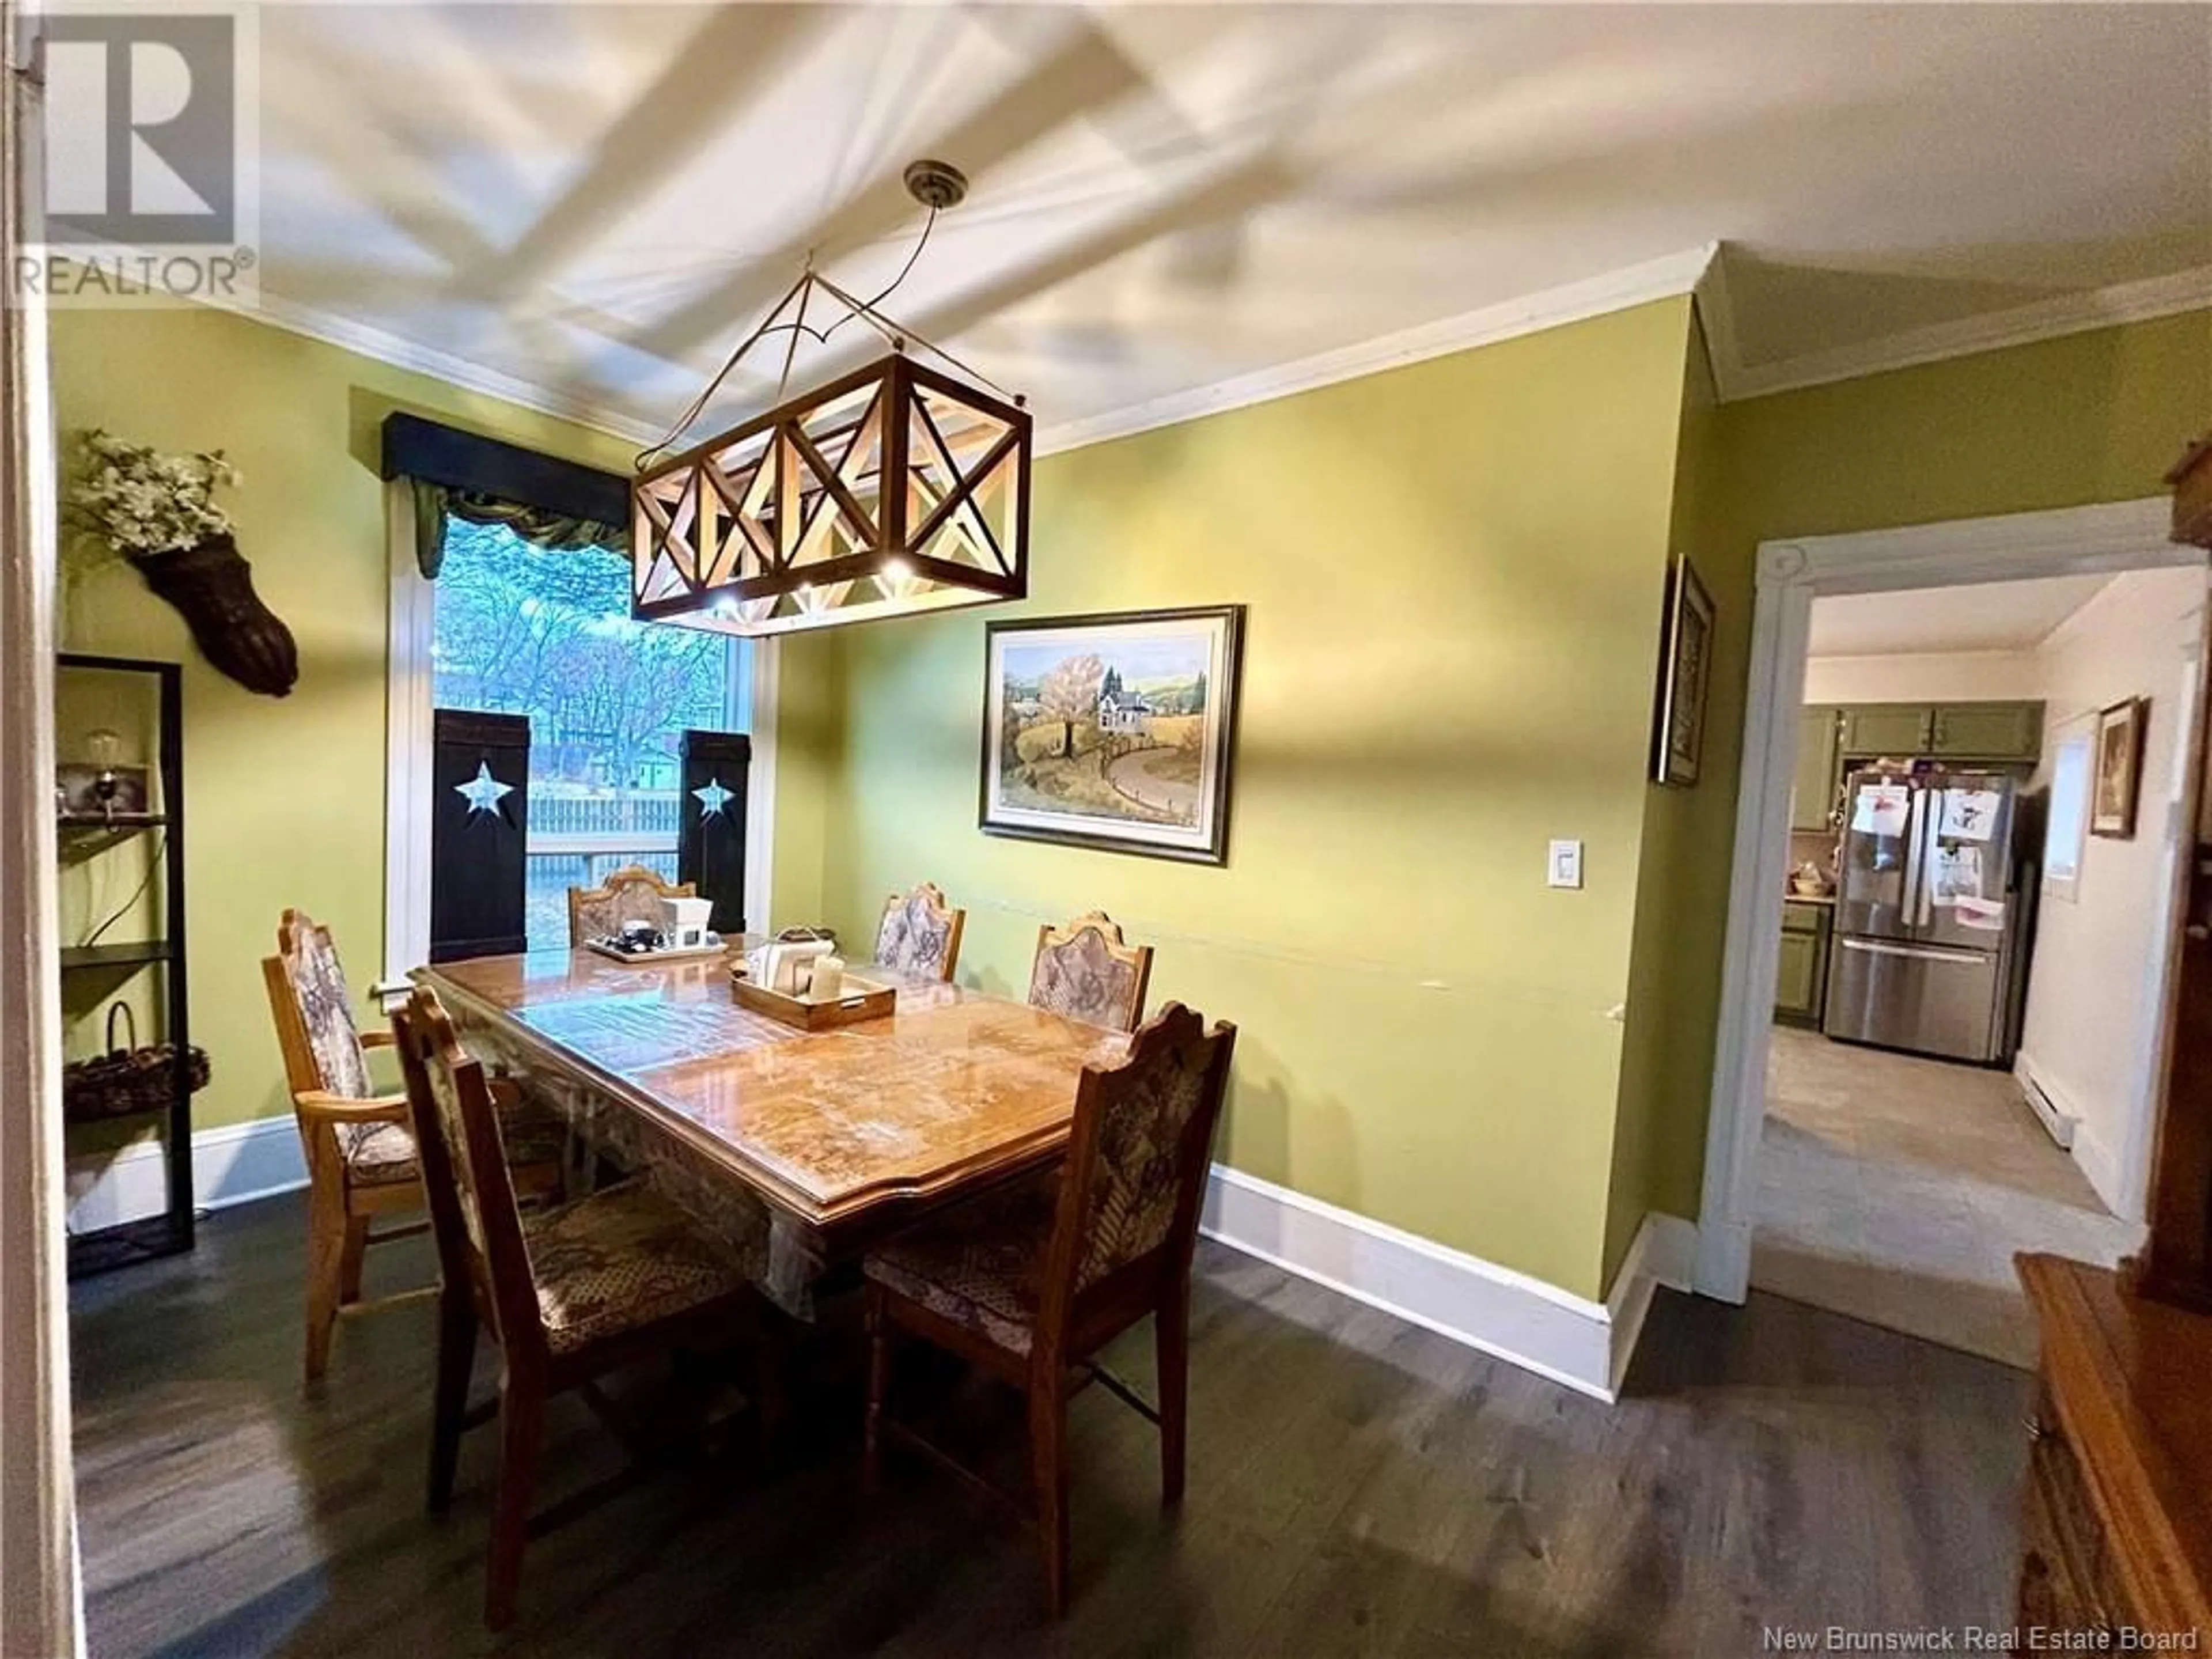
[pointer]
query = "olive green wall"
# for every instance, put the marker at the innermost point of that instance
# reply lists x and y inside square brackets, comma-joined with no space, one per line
[1681,892]
[2068,422]
[810,742]
[284,797]
[2092,417]
[1454,574]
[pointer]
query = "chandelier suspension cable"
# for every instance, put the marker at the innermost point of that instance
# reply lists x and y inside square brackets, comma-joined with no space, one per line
[899,335]
[798,328]
[769,325]
[892,287]
[707,393]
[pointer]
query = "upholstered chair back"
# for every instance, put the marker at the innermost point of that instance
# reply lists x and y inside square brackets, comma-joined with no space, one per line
[1085,971]
[1137,1164]
[920,933]
[473,1212]
[632,893]
[325,1035]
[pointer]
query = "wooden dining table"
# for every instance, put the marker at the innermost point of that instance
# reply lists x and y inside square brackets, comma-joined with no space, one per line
[797,1149]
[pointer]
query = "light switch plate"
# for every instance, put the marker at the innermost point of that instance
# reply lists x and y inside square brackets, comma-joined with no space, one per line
[1566,865]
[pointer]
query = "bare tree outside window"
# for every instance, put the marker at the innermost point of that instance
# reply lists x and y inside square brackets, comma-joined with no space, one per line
[522,631]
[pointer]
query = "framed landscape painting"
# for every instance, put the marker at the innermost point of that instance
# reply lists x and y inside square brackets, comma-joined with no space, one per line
[1113,732]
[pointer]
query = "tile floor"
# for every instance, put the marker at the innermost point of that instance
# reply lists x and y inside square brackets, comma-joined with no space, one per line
[1896,1190]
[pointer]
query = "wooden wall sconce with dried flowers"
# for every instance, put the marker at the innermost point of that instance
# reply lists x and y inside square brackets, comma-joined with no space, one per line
[159,512]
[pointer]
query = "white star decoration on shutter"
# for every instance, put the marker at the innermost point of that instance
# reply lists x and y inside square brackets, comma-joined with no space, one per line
[483,792]
[713,797]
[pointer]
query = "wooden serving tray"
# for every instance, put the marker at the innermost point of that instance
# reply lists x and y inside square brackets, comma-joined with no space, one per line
[655,958]
[862,1000]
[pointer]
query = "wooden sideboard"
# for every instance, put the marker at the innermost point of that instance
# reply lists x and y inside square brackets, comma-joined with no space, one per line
[2117,1529]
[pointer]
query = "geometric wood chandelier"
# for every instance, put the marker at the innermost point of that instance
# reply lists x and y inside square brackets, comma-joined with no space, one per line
[891,491]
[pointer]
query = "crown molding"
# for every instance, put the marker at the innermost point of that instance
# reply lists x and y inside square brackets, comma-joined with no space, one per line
[1700,271]
[1717,318]
[2040,320]
[1570,302]
[366,340]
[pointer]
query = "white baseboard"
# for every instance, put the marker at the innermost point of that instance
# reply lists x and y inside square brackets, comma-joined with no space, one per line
[1583,1344]
[1663,1254]
[2098,1159]
[2049,1107]
[2101,1165]
[232,1163]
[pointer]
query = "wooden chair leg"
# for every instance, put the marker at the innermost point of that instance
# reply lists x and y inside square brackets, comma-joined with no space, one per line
[522,1431]
[326,1244]
[772,1381]
[357,1247]
[871,1455]
[1171,1348]
[1048,1462]
[457,1352]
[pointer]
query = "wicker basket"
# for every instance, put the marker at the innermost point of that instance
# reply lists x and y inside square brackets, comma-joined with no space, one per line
[128,1081]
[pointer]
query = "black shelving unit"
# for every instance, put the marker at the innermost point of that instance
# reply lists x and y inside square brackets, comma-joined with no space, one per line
[170,1232]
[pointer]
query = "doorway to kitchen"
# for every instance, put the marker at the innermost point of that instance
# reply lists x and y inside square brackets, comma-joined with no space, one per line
[1945,991]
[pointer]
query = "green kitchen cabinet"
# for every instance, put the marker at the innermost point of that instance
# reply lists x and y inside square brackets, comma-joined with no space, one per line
[1813,789]
[1801,979]
[1987,731]
[1896,730]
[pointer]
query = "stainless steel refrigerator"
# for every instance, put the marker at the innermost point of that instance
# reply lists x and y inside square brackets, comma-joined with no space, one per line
[1929,924]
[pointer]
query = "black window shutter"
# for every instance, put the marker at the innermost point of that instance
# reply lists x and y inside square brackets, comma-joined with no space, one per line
[710,847]
[477,852]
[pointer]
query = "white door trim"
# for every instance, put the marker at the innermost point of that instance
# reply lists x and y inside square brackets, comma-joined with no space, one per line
[412,631]
[41,1609]
[1790,574]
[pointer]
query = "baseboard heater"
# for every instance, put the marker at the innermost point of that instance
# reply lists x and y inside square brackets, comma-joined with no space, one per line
[2057,1124]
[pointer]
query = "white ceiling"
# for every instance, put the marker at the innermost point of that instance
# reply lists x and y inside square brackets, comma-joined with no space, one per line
[598,200]
[1991,617]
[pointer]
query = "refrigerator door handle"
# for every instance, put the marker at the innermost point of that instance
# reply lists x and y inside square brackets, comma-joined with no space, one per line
[1917,952]
[1931,844]
[1909,911]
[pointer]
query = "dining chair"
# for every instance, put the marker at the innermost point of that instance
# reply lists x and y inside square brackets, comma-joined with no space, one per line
[1028,1284]
[920,933]
[632,893]
[1085,971]
[568,1293]
[362,1166]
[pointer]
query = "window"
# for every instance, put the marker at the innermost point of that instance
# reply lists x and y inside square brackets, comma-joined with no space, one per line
[519,631]
[2071,764]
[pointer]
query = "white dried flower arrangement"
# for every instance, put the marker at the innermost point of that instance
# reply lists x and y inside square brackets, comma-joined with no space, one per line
[140,501]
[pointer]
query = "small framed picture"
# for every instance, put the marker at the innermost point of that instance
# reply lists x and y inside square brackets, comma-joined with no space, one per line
[1686,674]
[2119,769]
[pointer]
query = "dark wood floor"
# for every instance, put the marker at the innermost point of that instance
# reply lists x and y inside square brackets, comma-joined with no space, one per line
[1356,1486]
